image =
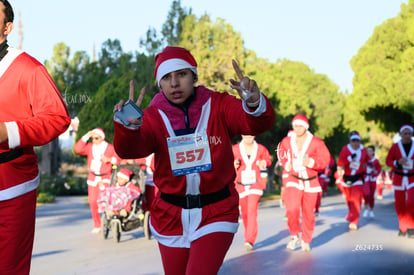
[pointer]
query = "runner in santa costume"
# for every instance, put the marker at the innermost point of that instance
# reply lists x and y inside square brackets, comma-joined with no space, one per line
[352,160]
[302,156]
[100,156]
[380,185]
[400,158]
[32,113]
[249,159]
[373,169]
[189,129]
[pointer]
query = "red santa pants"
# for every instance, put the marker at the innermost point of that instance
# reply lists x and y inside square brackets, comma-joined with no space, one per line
[404,206]
[353,197]
[249,206]
[369,193]
[295,201]
[93,194]
[17,225]
[380,188]
[204,257]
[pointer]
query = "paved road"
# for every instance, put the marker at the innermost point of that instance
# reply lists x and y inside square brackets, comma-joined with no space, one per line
[64,244]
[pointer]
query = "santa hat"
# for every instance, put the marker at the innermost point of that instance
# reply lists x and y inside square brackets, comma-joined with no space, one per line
[173,59]
[355,136]
[301,120]
[99,132]
[406,127]
[124,173]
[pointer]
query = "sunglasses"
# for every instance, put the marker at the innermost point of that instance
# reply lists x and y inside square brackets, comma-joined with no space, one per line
[96,138]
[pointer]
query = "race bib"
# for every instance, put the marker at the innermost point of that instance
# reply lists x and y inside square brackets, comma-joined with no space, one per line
[96,166]
[408,165]
[248,177]
[354,165]
[298,165]
[189,154]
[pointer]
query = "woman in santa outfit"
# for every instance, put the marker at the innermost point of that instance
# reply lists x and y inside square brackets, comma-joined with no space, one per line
[373,169]
[380,185]
[302,156]
[400,158]
[352,161]
[100,157]
[250,158]
[189,129]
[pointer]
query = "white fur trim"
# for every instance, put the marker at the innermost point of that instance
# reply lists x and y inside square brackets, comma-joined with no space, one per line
[300,122]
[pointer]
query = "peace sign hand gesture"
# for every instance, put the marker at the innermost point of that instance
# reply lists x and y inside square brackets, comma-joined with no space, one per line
[246,87]
[119,106]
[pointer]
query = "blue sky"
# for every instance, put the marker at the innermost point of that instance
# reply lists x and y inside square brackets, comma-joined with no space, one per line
[324,34]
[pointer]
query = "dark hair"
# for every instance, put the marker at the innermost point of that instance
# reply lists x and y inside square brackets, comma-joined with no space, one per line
[372,147]
[8,11]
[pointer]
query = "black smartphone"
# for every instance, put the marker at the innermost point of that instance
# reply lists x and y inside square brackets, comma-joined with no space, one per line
[129,110]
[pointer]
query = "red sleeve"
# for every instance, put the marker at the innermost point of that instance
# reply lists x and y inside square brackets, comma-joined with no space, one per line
[50,116]
[81,147]
[343,157]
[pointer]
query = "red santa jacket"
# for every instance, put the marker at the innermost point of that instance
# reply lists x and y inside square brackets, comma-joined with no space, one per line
[221,116]
[353,168]
[403,177]
[98,169]
[34,113]
[298,176]
[245,185]
[372,170]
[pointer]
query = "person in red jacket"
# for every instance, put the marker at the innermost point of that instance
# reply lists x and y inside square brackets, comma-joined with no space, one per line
[352,161]
[250,158]
[100,157]
[32,113]
[302,156]
[401,158]
[189,129]
[373,169]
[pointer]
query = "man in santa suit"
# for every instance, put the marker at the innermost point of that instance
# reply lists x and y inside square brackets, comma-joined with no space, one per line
[32,113]
[100,156]
[302,156]
[352,160]
[250,158]
[401,158]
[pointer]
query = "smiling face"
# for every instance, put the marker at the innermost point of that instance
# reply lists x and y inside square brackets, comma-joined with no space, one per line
[178,86]
[299,130]
[406,136]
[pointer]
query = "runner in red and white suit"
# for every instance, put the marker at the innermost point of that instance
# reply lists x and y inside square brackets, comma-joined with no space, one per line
[189,129]
[32,113]
[352,160]
[401,158]
[373,169]
[100,156]
[302,156]
[249,159]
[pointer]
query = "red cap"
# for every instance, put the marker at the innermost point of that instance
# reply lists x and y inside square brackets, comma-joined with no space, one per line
[173,59]
[124,173]
[300,120]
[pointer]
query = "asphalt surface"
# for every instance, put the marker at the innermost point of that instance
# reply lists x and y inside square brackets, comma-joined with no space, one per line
[64,244]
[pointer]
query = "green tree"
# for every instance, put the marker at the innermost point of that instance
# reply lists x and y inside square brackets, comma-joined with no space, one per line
[383,82]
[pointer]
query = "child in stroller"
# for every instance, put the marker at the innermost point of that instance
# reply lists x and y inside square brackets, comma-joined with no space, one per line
[120,204]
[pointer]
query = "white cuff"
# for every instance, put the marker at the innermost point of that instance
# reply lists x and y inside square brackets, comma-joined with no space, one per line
[259,110]
[311,163]
[13,134]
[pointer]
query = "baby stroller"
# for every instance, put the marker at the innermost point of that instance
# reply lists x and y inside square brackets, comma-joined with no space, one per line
[135,218]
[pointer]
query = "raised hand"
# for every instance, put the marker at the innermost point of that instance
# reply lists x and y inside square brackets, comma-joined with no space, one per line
[246,87]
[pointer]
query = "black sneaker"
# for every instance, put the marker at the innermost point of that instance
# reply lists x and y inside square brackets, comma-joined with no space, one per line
[401,234]
[410,233]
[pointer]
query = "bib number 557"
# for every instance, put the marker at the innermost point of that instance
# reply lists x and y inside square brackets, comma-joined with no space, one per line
[189,156]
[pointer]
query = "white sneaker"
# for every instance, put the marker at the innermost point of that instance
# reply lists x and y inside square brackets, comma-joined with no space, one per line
[371,214]
[305,247]
[366,212]
[293,243]
[96,230]
[248,246]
